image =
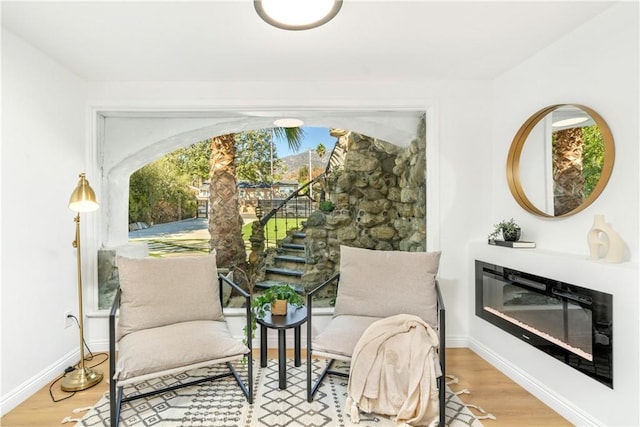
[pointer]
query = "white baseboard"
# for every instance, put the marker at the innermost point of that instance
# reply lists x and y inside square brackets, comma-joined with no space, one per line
[25,390]
[566,409]
[457,341]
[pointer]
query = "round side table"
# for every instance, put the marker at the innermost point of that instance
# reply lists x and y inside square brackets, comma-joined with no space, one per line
[294,318]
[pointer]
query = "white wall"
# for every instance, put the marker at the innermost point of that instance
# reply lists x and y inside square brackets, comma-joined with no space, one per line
[43,150]
[597,66]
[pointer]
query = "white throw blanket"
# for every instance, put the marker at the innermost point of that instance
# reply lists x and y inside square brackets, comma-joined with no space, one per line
[393,371]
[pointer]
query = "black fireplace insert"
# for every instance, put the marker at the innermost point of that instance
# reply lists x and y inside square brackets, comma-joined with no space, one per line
[569,322]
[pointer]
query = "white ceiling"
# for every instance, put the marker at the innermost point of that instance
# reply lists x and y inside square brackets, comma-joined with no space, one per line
[226,41]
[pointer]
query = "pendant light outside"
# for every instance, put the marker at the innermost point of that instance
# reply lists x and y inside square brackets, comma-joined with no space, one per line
[288,122]
[297,14]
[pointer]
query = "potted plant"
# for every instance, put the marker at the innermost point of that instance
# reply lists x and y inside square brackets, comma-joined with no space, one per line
[274,299]
[509,230]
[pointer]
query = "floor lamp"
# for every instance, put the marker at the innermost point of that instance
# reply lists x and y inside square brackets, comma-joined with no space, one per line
[83,199]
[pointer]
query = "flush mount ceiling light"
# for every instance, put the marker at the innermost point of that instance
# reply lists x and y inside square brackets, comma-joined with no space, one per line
[288,123]
[569,122]
[297,14]
[567,116]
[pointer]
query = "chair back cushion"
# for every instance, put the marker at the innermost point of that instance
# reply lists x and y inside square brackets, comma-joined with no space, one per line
[162,291]
[385,283]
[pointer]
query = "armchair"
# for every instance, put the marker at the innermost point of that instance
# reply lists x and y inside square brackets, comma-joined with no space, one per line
[375,285]
[166,319]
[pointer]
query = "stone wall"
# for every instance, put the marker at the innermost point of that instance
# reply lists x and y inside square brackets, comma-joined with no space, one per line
[379,195]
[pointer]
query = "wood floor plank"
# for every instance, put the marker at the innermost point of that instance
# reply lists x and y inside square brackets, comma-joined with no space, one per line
[490,389]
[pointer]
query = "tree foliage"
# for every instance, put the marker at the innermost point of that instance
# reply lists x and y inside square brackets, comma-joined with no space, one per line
[254,154]
[160,192]
[164,190]
[303,174]
[294,136]
[592,157]
[193,161]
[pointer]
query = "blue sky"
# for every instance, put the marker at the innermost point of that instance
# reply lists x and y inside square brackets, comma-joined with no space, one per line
[313,137]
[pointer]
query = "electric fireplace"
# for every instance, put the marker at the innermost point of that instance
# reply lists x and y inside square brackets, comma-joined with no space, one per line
[571,323]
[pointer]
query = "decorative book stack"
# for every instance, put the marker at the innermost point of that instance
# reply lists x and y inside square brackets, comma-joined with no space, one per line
[516,244]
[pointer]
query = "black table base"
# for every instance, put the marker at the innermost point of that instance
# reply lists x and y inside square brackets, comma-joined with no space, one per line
[294,318]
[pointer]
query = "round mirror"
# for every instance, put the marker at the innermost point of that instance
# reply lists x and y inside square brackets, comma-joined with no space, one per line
[560,160]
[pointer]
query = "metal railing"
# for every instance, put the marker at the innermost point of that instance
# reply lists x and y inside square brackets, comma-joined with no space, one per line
[294,210]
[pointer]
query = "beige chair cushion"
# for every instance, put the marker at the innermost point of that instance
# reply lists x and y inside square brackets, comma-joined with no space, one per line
[167,347]
[385,283]
[342,334]
[162,291]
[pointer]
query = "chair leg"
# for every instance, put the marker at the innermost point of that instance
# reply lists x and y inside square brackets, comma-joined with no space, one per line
[309,369]
[311,391]
[247,389]
[115,398]
[112,402]
[442,399]
[250,377]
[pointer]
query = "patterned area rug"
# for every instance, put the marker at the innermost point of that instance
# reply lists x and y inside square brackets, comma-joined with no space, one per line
[222,404]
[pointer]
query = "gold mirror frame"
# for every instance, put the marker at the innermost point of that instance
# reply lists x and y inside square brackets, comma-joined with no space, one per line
[513,161]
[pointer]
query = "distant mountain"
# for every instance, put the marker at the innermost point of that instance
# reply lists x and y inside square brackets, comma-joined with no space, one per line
[290,165]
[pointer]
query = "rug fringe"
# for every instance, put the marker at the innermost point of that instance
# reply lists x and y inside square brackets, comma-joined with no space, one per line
[463,391]
[486,415]
[77,411]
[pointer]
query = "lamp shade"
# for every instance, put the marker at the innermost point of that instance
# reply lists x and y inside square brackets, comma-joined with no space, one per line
[83,198]
[297,14]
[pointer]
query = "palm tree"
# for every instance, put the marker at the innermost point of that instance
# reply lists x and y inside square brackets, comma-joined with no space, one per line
[321,150]
[225,222]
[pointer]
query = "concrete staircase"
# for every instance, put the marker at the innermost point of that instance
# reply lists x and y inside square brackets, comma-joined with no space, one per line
[288,263]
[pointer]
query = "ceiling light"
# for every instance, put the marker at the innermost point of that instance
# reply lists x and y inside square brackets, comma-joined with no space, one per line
[288,123]
[297,14]
[569,122]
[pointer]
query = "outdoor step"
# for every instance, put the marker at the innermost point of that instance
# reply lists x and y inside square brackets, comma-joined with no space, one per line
[291,259]
[292,280]
[293,252]
[293,246]
[288,261]
[284,271]
[269,283]
[298,237]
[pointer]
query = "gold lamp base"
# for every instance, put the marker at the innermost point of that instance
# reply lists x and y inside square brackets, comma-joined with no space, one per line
[81,379]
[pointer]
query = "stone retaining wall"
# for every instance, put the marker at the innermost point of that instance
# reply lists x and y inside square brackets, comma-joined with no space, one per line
[380,203]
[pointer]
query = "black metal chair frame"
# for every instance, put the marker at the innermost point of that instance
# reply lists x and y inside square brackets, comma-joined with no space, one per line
[313,388]
[116,395]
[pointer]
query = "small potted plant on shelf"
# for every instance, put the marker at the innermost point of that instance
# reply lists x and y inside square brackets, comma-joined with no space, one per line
[274,299]
[509,230]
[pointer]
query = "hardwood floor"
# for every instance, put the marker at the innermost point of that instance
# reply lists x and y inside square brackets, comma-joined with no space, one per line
[496,393]
[491,390]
